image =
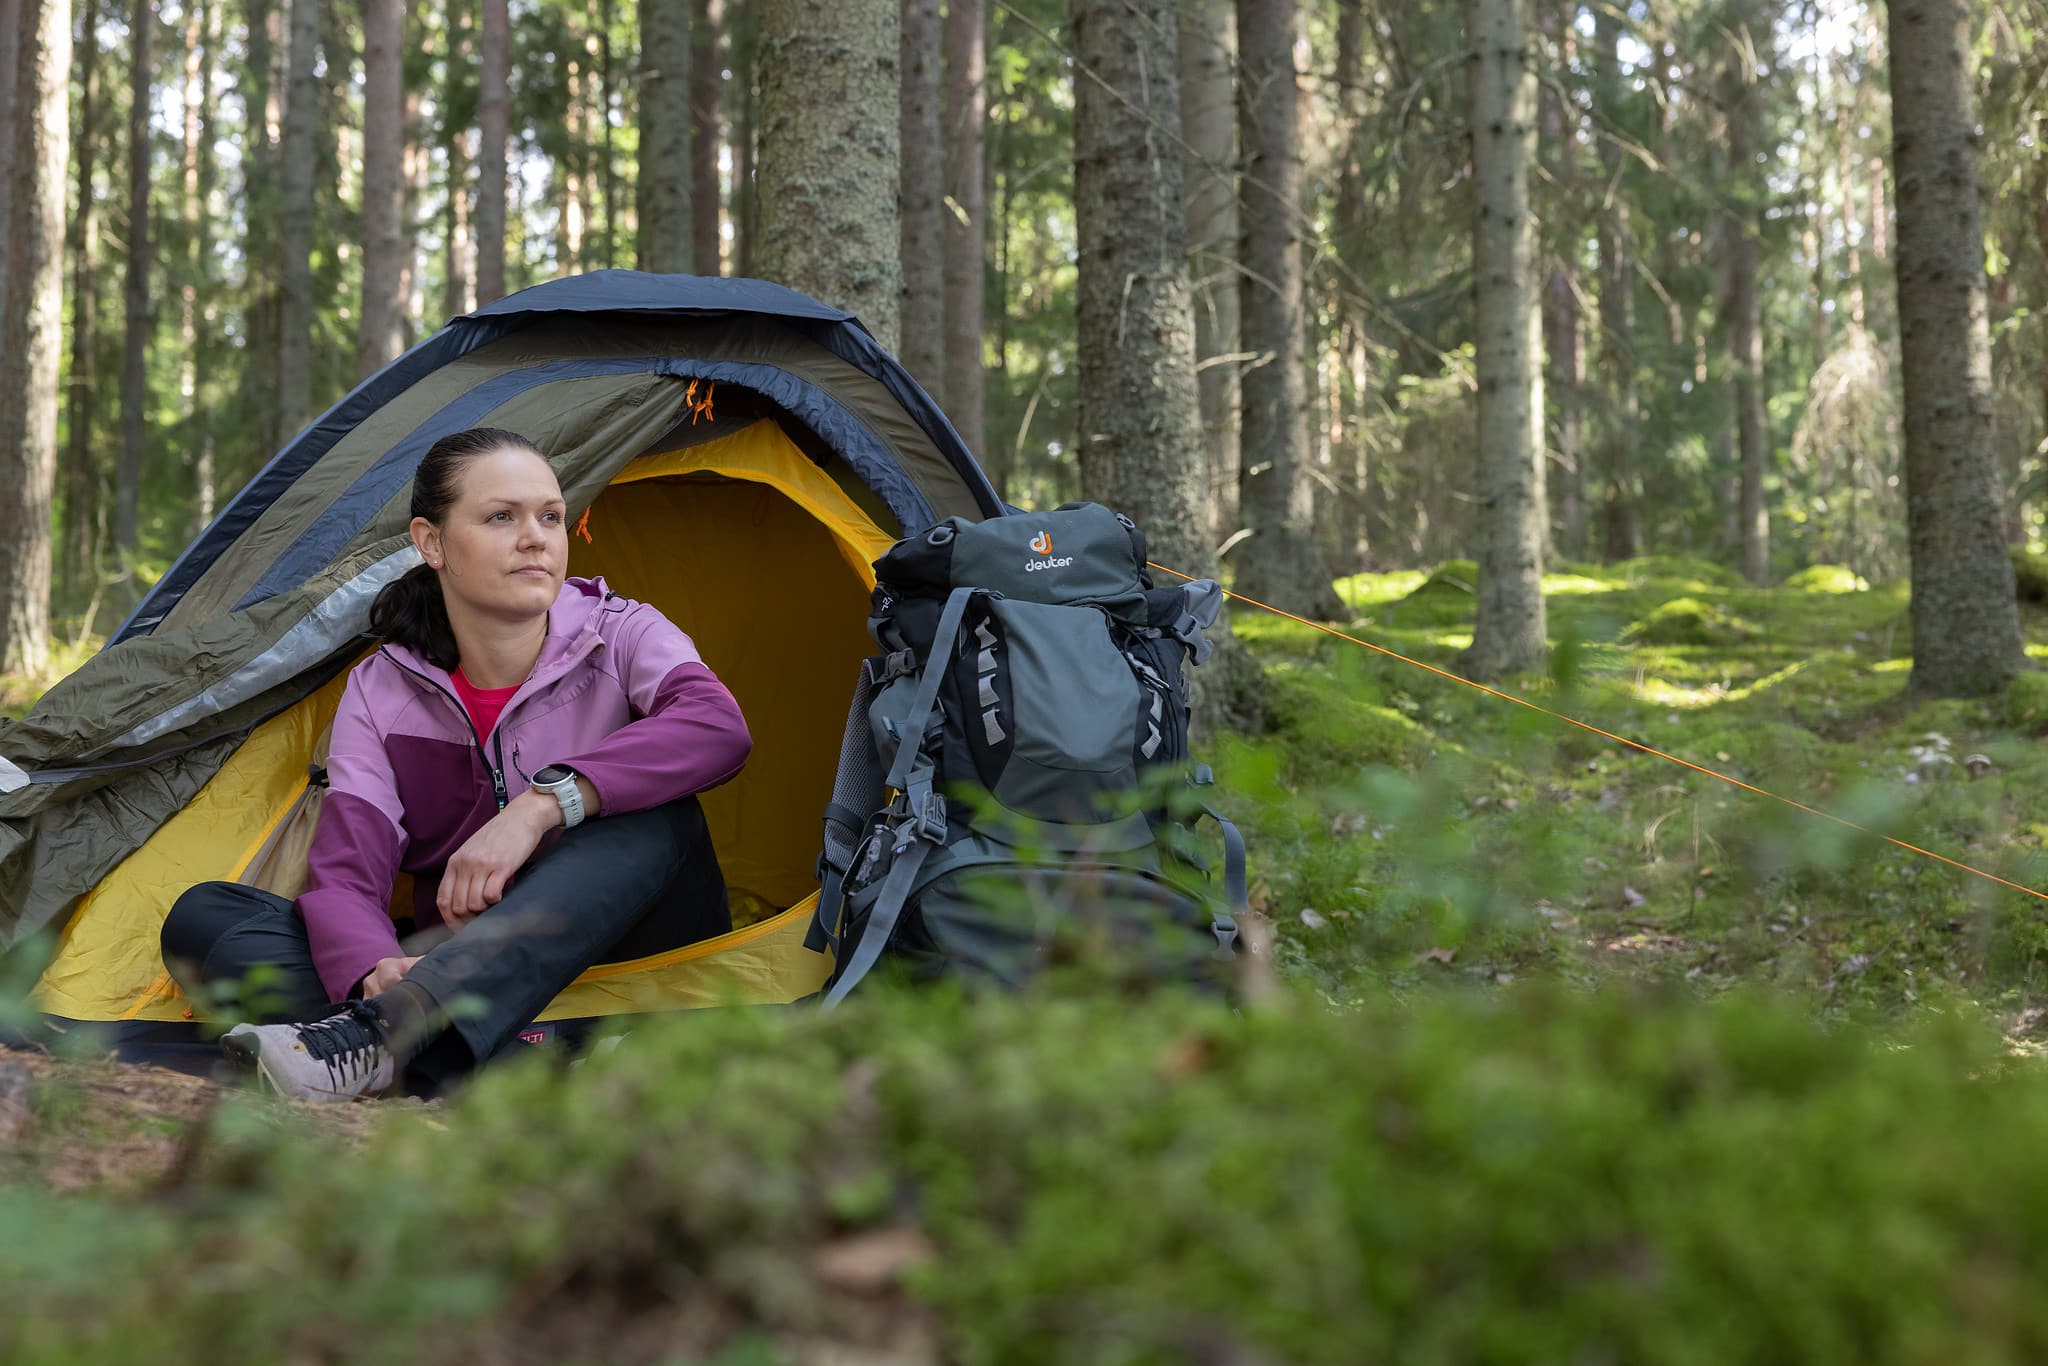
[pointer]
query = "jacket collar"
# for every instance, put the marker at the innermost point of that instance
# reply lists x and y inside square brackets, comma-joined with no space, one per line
[573,634]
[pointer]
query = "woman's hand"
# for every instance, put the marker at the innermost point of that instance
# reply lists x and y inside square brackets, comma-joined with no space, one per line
[386,975]
[475,876]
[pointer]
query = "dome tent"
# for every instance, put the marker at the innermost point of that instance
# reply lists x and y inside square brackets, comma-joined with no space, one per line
[733,452]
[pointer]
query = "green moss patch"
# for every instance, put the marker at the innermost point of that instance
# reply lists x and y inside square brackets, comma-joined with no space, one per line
[1688,621]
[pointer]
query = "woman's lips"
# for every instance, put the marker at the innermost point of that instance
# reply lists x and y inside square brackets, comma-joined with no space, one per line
[534,571]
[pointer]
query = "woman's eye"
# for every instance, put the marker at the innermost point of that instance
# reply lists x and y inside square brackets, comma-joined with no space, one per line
[499,517]
[551,516]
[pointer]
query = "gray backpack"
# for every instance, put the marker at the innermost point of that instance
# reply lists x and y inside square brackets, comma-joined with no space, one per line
[1015,766]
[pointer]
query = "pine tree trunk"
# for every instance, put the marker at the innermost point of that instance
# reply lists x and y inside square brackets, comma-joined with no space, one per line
[381,331]
[31,329]
[746,143]
[829,154]
[966,128]
[11,39]
[197,438]
[1617,312]
[1349,516]
[1508,635]
[1141,445]
[1208,122]
[707,82]
[458,244]
[1966,633]
[205,175]
[493,117]
[80,557]
[1745,303]
[665,223]
[607,189]
[1278,563]
[923,236]
[135,288]
[1564,357]
[297,153]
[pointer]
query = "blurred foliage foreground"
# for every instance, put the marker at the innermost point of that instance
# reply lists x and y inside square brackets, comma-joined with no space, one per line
[1576,1056]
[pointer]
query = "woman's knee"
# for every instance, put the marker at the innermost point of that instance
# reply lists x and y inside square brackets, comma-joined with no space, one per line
[205,914]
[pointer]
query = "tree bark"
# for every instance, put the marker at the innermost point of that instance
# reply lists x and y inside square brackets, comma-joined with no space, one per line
[493,117]
[966,118]
[1208,122]
[746,196]
[1623,526]
[1966,633]
[829,154]
[665,222]
[381,331]
[301,127]
[1141,441]
[1348,445]
[707,84]
[11,39]
[135,286]
[923,236]
[81,457]
[31,329]
[458,111]
[1278,563]
[202,21]
[1564,355]
[1508,635]
[1745,304]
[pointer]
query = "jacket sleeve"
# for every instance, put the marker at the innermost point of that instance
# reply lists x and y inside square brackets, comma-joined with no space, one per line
[687,734]
[354,859]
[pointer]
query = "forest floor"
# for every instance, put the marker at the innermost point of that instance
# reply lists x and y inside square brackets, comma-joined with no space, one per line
[1575,1048]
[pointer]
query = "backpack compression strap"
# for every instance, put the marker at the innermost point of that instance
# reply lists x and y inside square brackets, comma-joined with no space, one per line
[921,826]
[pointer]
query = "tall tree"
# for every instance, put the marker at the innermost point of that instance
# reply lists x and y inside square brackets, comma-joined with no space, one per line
[1748,35]
[81,456]
[202,23]
[1346,521]
[923,234]
[1508,633]
[31,329]
[1564,356]
[746,123]
[1618,425]
[458,118]
[1141,444]
[381,332]
[298,154]
[1966,632]
[829,154]
[707,83]
[1208,124]
[11,37]
[665,225]
[966,217]
[1278,564]
[493,117]
[135,290]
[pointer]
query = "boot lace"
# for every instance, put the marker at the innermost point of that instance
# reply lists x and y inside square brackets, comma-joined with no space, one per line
[350,1042]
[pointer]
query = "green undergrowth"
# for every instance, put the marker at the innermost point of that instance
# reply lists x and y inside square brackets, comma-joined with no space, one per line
[1531,1175]
[1409,830]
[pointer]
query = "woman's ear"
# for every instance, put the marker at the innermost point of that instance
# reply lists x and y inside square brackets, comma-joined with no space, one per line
[426,538]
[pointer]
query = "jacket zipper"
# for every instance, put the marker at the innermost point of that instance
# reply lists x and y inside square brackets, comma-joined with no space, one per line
[497,771]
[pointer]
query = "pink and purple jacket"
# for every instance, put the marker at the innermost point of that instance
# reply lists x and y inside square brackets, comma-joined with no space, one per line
[618,694]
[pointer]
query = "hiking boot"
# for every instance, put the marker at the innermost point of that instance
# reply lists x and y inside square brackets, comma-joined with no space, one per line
[342,1057]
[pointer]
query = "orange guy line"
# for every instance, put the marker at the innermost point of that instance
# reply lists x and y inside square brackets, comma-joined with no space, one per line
[1620,739]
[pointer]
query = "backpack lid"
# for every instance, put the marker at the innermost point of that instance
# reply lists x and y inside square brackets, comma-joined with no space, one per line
[1079,554]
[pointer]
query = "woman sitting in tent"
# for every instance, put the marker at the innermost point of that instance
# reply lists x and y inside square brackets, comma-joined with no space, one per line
[529,749]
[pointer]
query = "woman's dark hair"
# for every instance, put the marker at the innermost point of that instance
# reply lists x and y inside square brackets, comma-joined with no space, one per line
[410,611]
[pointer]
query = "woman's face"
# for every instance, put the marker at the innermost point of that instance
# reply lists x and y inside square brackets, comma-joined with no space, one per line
[503,548]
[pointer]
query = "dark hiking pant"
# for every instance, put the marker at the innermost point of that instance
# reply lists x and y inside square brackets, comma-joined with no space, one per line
[613,889]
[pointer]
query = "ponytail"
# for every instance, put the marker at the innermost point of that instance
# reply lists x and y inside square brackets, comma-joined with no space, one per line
[411,612]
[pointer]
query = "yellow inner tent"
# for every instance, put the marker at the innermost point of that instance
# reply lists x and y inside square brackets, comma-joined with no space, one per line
[765,562]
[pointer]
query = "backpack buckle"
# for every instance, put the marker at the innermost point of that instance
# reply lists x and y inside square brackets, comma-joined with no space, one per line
[1224,927]
[882,669]
[931,817]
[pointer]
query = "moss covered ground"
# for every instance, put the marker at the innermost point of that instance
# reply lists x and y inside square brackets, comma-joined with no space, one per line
[1575,1055]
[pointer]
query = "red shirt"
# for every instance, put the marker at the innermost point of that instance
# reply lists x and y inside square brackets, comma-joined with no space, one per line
[482,704]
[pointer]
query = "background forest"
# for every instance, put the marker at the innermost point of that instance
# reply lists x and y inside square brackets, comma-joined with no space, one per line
[265,200]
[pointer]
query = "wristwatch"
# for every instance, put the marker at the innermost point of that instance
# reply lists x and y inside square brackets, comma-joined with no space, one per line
[560,783]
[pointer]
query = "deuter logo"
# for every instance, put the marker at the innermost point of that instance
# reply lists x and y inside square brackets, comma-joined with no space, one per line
[1041,544]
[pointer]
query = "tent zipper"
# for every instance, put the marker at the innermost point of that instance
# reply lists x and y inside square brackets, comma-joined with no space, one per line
[497,771]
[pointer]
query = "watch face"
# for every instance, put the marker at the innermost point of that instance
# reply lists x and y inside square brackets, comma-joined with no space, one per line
[553,773]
